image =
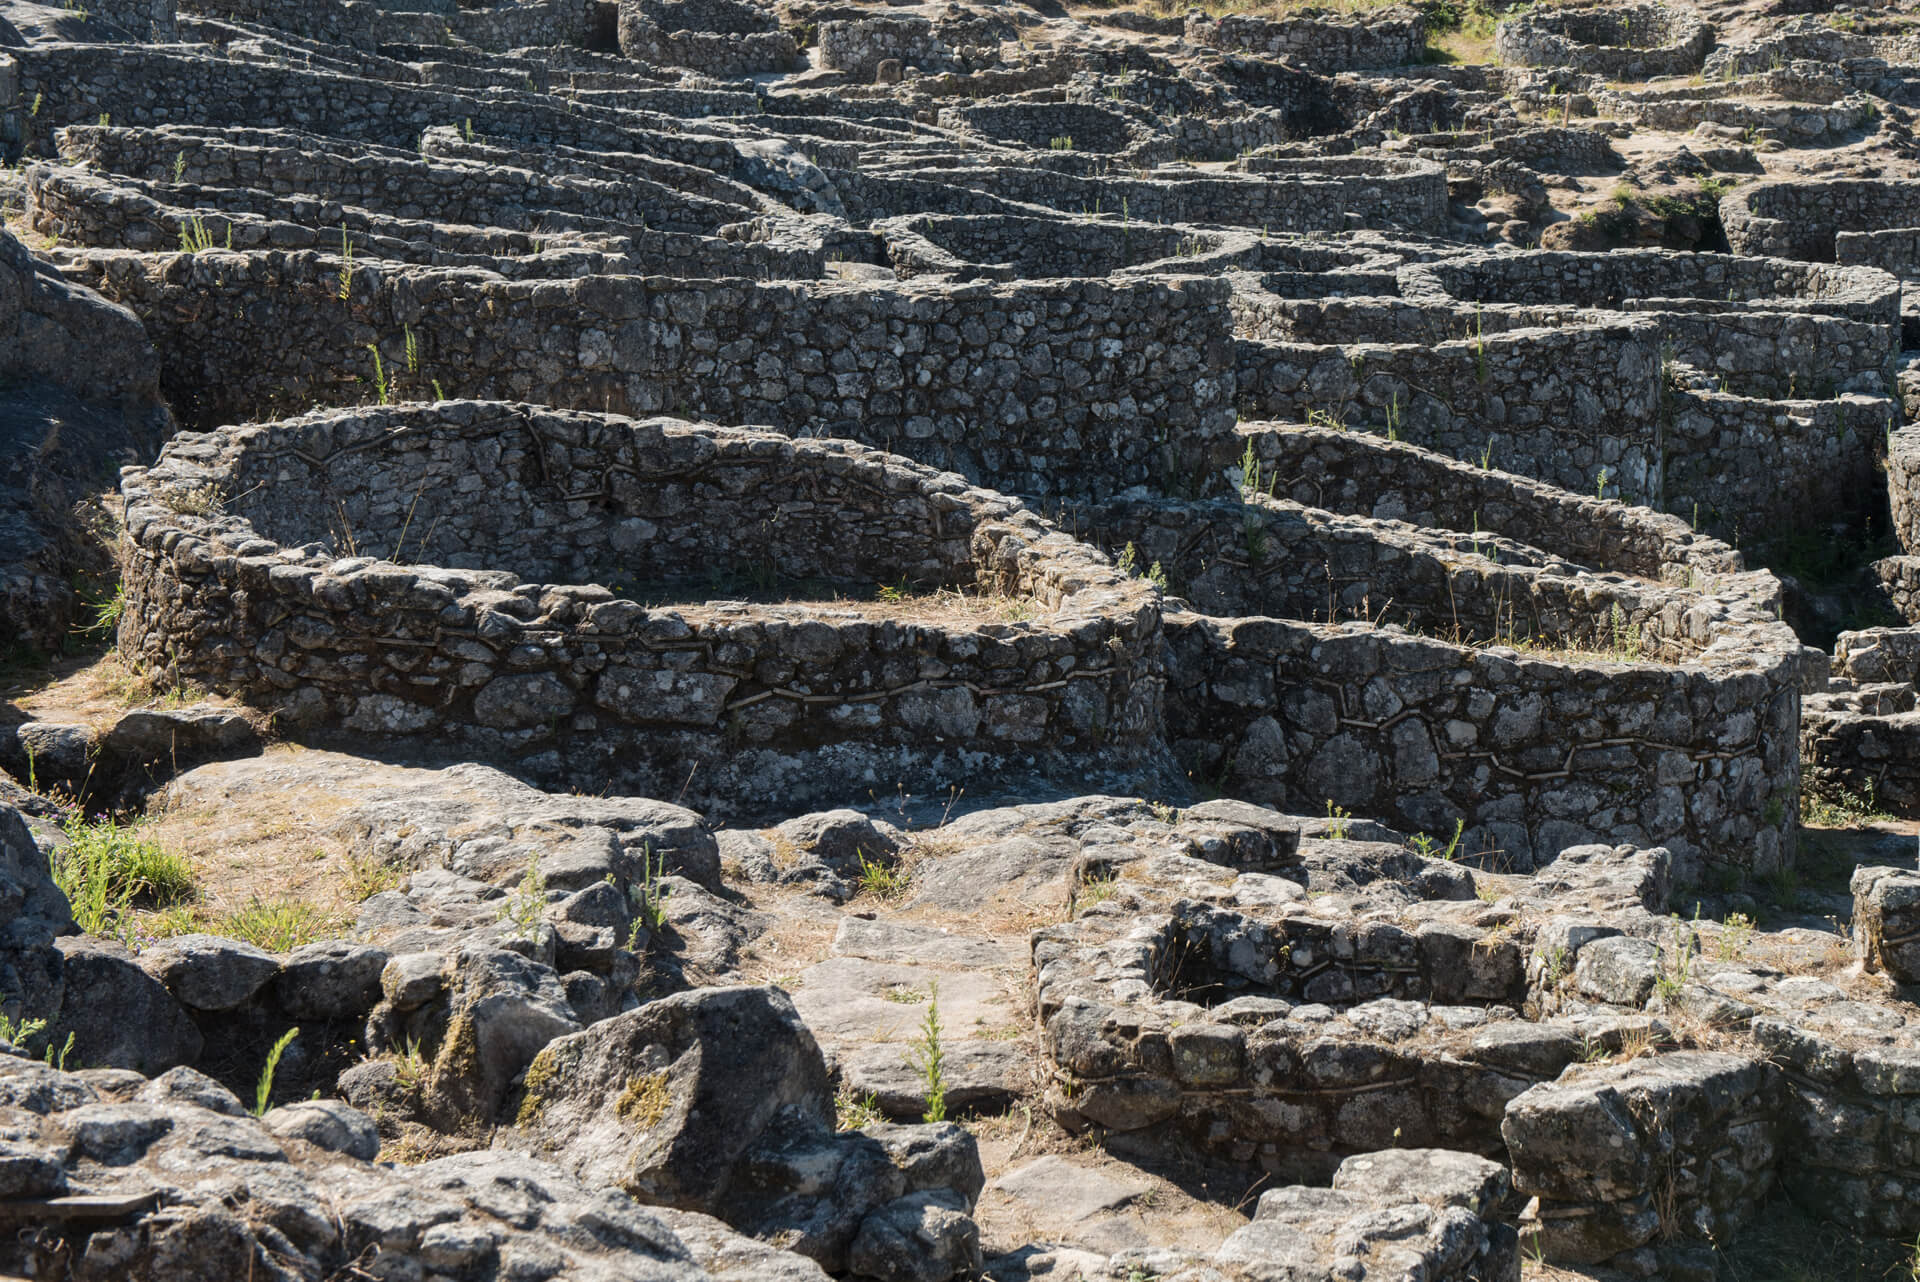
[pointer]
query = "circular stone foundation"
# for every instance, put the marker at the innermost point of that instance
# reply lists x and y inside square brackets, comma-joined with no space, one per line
[504,579]
[1530,670]
[1628,42]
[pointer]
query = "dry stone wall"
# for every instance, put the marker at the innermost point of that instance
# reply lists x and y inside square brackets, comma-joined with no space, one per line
[254,565]
[719,37]
[1626,42]
[1123,382]
[1392,37]
[364,24]
[401,183]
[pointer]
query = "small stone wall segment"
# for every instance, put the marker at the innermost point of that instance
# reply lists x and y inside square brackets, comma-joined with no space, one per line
[1810,220]
[718,37]
[857,46]
[1558,404]
[1364,473]
[1865,736]
[1864,753]
[1391,37]
[267,601]
[1898,579]
[1062,387]
[1623,1160]
[1903,487]
[1850,1089]
[1626,42]
[1886,921]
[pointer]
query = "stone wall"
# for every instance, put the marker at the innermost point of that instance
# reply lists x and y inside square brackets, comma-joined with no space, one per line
[1362,473]
[1530,750]
[1719,376]
[1752,468]
[274,593]
[1848,1126]
[1085,127]
[83,210]
[1627,42]
[1903,486]
[1687,1150]
[366,25]
[79,394]
[719,37]
[143,21]
[1646,279]
[1410,195]
[857,46]
[1558,404]
[989,247]
[403,183]
[1049,387]
[133,85]
[1804,219]
[1392,37]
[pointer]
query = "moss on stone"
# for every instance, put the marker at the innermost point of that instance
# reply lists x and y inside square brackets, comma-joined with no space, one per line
[644,1102]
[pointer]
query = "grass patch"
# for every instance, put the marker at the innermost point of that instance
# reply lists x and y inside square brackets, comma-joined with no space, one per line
[1460,31]
[1835,806]
[366,876]
[881,881]
[278,925]
[855,1113]
[108,868]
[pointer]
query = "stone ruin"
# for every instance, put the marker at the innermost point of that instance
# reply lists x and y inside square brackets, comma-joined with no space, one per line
[776,641]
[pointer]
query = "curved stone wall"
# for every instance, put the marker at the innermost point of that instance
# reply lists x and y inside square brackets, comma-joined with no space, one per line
[1624,42]
[1006,247]
[1392,37]
[337,568]
[1646,693]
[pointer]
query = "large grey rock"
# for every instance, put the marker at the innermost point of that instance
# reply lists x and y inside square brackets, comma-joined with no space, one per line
[978,1075]
[227,1198]
[190,1086]
[119,1016]
[1435,1176]
[327,1124]
[1326,1233]
[731,1257]
[178,737]
[209,973]
[922,1237]
[32,908]
[330,979]
[504,1010]
[665,1100]
[1619,970]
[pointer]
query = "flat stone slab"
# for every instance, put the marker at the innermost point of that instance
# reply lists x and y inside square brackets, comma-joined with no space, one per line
[1059,1195]
[891,941]
[983,1076]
